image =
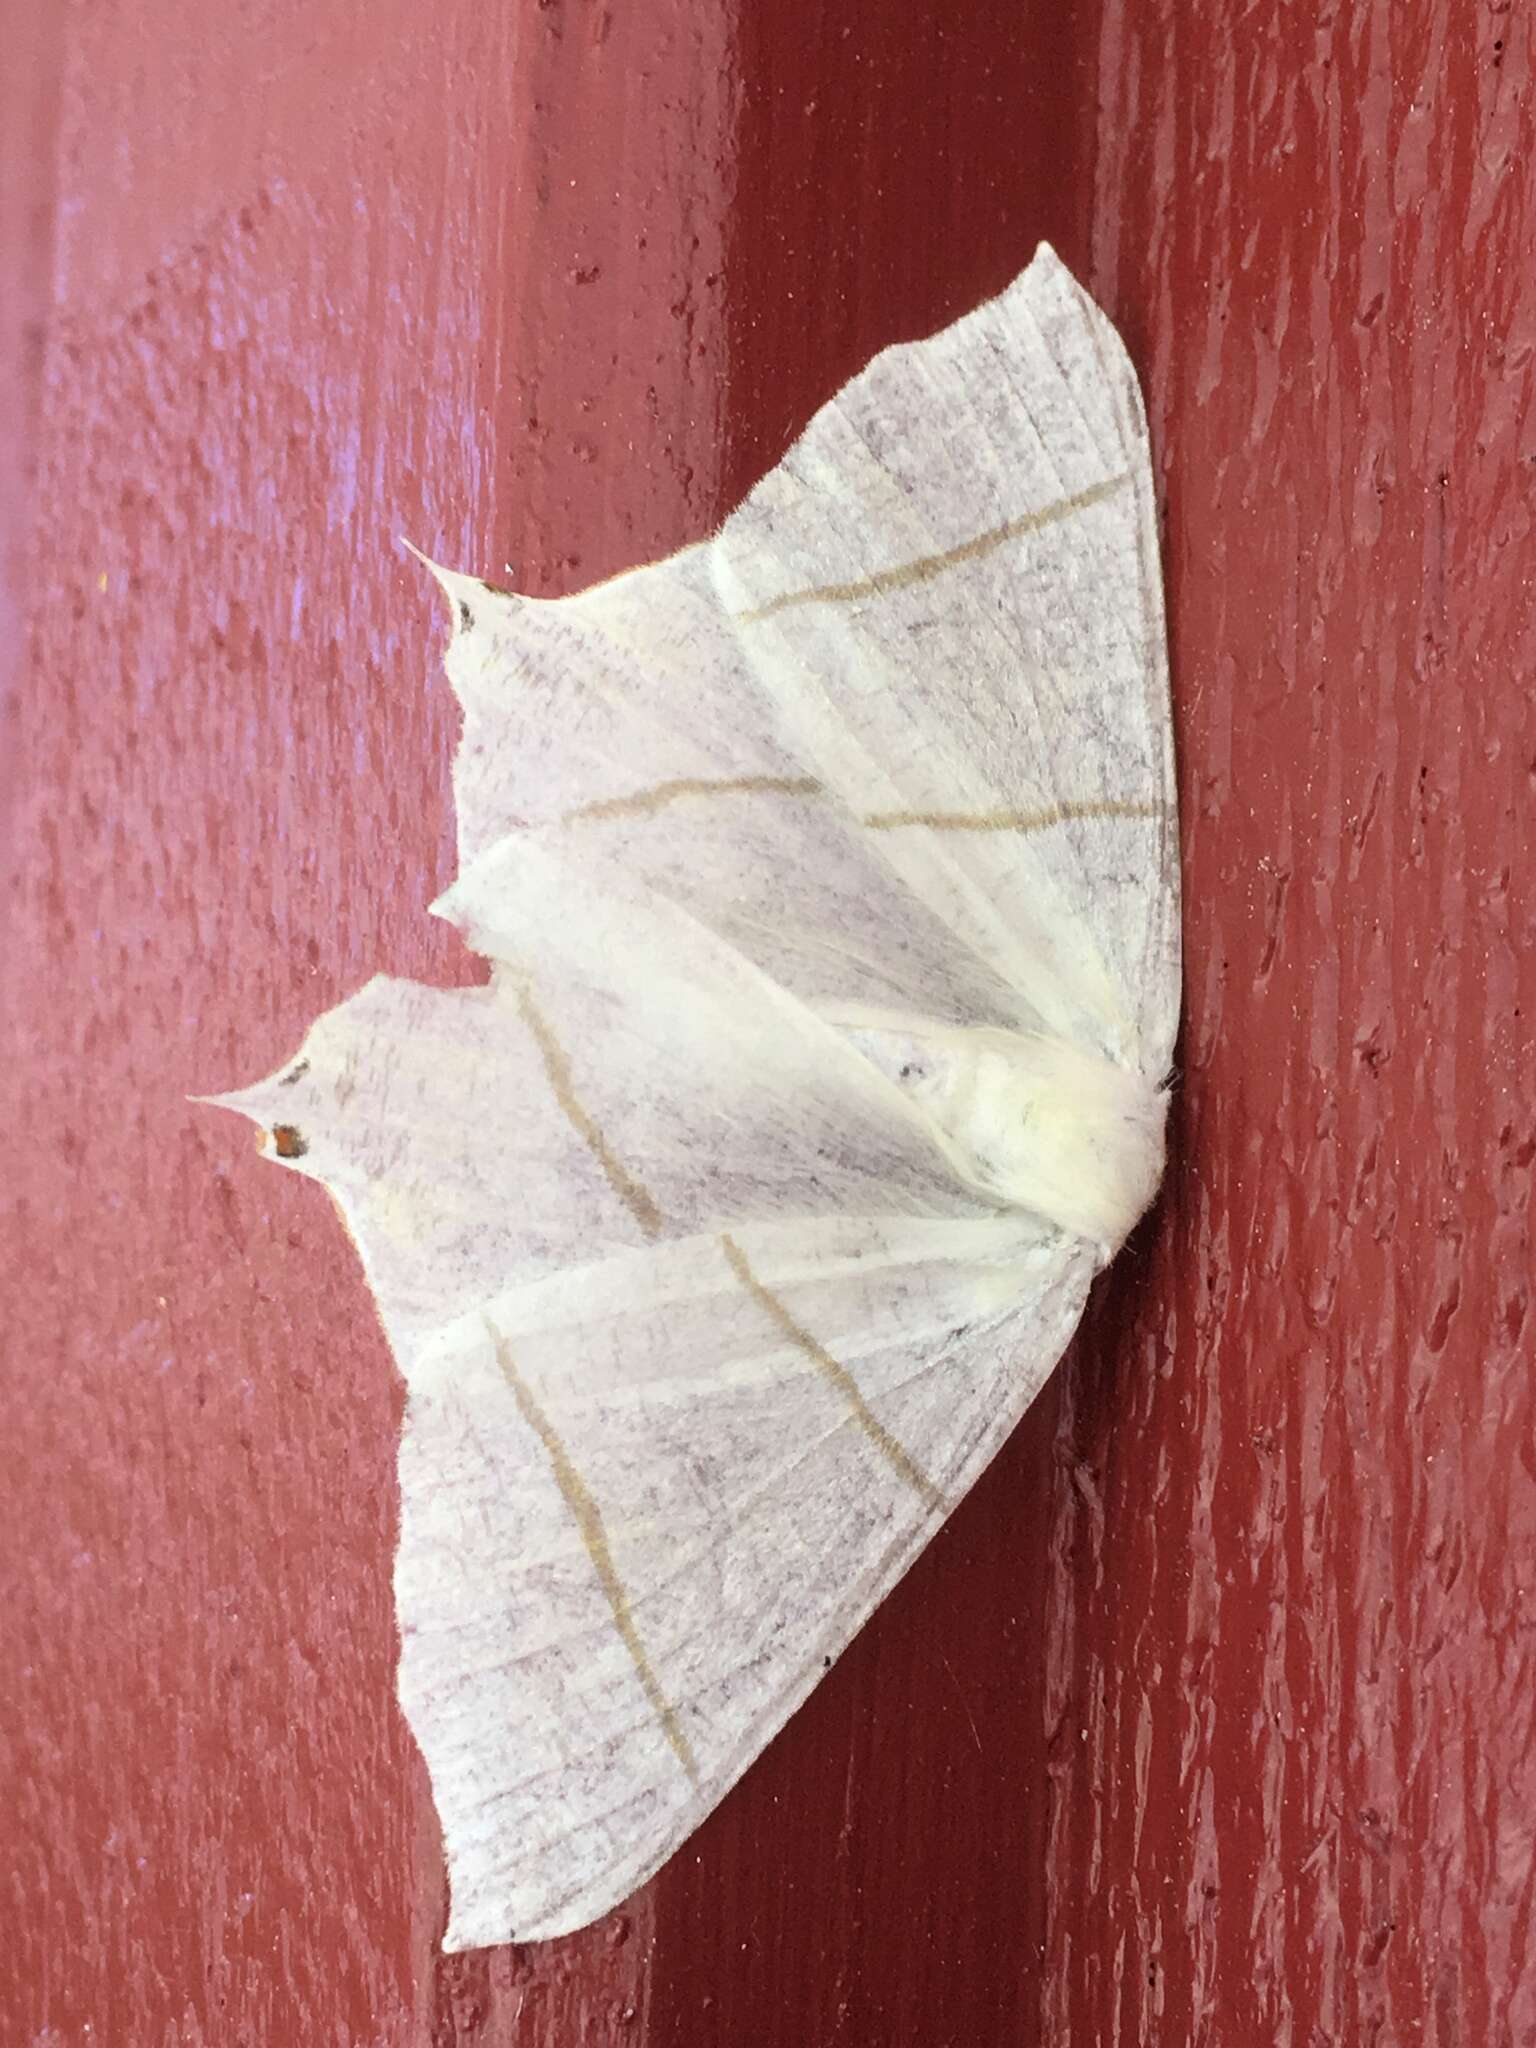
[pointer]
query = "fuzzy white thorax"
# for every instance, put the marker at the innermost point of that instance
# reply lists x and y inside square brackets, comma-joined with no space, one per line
[1034,1121]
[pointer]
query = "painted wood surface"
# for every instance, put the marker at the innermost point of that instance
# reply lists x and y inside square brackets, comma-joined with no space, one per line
[1209,1718]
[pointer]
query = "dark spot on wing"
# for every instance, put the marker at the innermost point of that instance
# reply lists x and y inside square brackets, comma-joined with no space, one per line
[466,616]
[288,1142]
[293,1074]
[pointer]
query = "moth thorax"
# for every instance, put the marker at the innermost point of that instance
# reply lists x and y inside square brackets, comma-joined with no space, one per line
[1044,1125]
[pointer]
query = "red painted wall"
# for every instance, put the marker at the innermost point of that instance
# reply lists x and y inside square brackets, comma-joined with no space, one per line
[1209,1718]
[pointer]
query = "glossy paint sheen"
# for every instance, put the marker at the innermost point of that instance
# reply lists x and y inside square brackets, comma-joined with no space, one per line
[1209,1717]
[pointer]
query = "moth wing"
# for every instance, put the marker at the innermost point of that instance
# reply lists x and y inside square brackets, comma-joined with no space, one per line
[949,588]
[701,1339]
[627,1078]
[624,728]
[901,732]
[645,1504]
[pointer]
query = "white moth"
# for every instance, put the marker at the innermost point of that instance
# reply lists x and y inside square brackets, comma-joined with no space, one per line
[827,874]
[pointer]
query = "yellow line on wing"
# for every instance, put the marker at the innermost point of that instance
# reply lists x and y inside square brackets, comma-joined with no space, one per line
[925,566]
[588,1518]
[838,1375]
[1013,821]
[558,1067]
[647,800]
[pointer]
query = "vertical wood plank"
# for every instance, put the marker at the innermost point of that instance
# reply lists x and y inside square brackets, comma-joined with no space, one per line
[321,275]
[1294,1682]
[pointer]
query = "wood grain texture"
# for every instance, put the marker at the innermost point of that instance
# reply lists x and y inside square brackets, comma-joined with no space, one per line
[1208,1719]
[1293,1637]
[296,255]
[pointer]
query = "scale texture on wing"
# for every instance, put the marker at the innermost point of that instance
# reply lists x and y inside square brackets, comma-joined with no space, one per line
[950,588]
[640,1513]
[901,731]
[626,1078]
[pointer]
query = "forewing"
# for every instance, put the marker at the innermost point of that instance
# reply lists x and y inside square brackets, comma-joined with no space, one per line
[627,1078]
[949,587]
[624,729]
[643,1506]
[901,733]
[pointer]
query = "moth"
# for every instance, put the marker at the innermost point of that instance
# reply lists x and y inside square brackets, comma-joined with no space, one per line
[827,877]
